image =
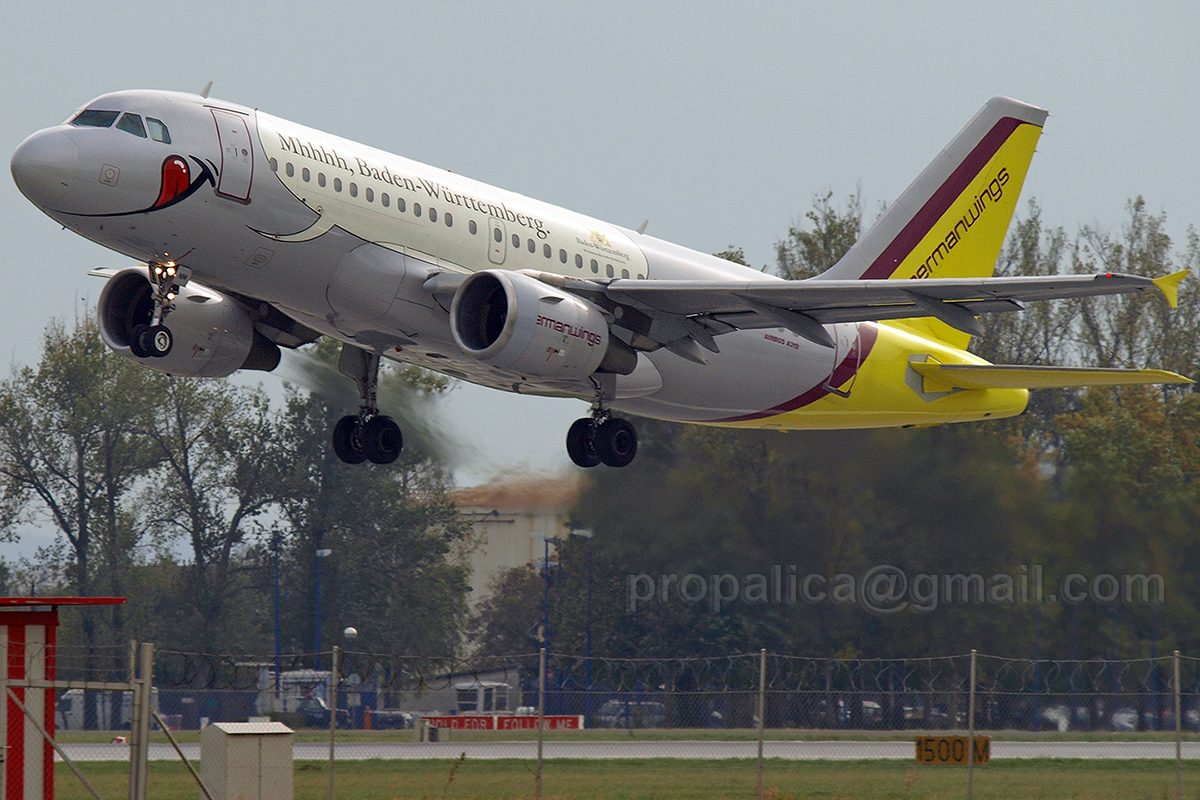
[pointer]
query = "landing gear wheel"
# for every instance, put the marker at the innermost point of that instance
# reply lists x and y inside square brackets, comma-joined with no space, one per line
[347,441]
[615,441]
[158,341]
[382,440]
[579,443]
[136,345]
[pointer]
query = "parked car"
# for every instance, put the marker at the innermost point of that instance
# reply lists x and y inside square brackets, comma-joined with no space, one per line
[630,714]
[316,713]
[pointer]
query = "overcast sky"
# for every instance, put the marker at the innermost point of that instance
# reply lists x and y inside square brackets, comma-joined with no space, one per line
[717,122]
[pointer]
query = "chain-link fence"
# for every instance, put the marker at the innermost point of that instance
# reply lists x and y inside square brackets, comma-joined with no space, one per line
[758,722]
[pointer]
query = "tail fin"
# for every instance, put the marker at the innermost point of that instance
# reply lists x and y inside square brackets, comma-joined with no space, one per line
[952,220]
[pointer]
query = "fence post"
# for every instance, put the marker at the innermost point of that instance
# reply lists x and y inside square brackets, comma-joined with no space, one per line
[144,689]
[541,719]
[971,731]
[135,711]
[1178,734]
[762,716]
[333,709]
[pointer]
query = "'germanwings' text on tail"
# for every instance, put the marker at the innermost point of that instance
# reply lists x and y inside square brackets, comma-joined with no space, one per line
[259,234]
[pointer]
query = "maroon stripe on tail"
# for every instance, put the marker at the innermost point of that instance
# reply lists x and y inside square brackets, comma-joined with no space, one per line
[935,208]
[844,371]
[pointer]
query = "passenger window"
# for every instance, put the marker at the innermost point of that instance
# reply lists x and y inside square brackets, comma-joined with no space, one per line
[95,119]
[274,165]
[516,240]
[433,215]
[321,179]
[337,184]
[158,131]
[400,204]
[472,227]
[387,201]
[608,269]
[595,266]
[370,195]
[547,251]
[353,189]
[624,273]
[579,260]
[290,170]
[132,123]
[304,174]
[448,218]
[417,209]
[499,237]
[562,256]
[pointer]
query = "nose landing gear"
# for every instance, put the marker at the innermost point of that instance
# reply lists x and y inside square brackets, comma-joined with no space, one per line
[155,340]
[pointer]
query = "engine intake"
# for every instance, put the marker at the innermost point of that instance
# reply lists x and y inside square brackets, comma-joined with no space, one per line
[214,336]
[514,322]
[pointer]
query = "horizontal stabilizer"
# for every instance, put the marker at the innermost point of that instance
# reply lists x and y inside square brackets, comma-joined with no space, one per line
[993,376]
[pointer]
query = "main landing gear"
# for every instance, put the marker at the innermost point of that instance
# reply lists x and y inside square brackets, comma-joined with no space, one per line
[369,435]
[602,439]
[155,340]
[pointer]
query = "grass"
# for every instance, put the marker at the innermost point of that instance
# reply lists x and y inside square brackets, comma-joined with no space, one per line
[666,778]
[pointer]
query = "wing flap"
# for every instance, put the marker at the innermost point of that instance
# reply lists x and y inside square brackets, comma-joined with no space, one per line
[1000,376]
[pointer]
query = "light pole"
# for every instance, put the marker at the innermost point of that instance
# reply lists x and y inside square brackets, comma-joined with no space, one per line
[353,696]
[545,637]
[321,554]
[275,545]
[588,534]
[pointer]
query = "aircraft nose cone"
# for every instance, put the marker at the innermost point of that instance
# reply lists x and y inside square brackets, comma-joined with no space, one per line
[44,167]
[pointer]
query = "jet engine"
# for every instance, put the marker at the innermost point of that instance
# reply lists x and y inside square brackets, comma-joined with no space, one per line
[213,335]
[515,322]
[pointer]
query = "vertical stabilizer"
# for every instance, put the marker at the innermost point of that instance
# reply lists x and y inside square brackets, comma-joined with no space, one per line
[952,220]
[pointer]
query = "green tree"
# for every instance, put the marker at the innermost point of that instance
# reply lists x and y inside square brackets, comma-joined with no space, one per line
[806,252]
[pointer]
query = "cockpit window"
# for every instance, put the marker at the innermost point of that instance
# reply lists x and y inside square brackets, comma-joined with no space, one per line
[132,123]
[158,131]
[91,118]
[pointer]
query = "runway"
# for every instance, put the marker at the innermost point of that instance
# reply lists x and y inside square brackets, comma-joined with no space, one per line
[699,750]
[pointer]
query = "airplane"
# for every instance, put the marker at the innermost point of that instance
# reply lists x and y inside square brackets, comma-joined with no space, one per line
[254,234]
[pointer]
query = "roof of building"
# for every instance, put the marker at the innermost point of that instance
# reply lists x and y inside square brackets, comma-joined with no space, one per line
[535,491]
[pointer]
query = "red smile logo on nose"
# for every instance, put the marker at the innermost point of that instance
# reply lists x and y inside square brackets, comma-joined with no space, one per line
[175,180]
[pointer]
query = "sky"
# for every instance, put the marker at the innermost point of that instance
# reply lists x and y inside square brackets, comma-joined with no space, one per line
[717,122]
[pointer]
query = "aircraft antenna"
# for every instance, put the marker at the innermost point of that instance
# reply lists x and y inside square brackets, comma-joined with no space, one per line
[207,88]
[642,227]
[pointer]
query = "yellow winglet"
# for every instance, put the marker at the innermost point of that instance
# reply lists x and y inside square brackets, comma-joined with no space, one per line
[1169,286]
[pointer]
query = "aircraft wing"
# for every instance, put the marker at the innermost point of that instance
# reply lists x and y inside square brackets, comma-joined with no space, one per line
[804,306]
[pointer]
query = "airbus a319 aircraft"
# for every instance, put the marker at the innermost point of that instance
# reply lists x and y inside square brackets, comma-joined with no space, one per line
[255,234]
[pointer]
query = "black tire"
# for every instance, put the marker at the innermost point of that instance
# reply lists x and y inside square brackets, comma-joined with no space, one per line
[347,441]
[615,442]
[382,440]
[579,443]
[159,341]
[135,341]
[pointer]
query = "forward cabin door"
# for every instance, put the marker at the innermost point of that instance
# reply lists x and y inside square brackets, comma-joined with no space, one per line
[237,155]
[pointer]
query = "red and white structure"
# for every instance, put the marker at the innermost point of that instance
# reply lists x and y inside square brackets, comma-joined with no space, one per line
[28,626]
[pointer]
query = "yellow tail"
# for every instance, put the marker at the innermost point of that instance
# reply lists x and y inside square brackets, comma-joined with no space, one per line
[952,220]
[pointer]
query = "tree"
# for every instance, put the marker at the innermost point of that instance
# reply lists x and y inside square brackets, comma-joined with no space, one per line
[391,530]
[71,454]
[223,467]
[804,253]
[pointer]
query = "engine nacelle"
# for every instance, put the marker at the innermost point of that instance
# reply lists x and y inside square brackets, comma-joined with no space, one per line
[213,335]
[514,322]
